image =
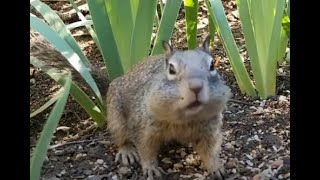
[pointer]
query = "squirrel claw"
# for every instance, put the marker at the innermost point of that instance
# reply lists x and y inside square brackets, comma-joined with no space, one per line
[150,171]
[127,155]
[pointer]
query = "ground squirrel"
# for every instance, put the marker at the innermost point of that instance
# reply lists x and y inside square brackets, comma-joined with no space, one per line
[175,96]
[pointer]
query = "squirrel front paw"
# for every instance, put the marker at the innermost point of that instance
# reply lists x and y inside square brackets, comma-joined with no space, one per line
[127,154]
[151,172]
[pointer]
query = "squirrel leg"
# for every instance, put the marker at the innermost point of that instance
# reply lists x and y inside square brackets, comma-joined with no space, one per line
[148,148]
[127,153]
[208,149]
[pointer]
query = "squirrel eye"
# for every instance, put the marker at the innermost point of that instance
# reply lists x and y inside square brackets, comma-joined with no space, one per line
[171,69]
[212,65]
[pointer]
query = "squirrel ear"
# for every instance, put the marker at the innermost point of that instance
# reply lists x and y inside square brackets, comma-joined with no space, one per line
[206,44]
[168,49]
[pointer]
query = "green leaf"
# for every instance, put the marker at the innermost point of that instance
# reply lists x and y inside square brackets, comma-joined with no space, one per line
[134,9]
[55,97]
[288,9]
[286,25]
[109,49]
[284,40]
[161,6]
[218,17]
[168,19]
[271,68]
[141,38]
[66,51]
[47,132]
[121,21]
[212,29]
[191,7]
[79,24]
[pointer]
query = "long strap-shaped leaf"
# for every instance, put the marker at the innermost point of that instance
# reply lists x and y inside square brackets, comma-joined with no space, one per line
[273,47]
[121,20]
[79,24]
[288,10]
[80,96]
[191,7]
[66,51]
[134,9]
[47,132]
[88,26]
[168,19]
[286,25]
[212,29]
[58,26]
[218,16]
[161,5]
[141,37]
[284,38]
[102,26]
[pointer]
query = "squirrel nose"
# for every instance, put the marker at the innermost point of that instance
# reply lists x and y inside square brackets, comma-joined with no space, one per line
[195,86]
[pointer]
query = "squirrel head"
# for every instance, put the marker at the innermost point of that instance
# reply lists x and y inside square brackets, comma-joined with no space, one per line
[189,63]
[190,83]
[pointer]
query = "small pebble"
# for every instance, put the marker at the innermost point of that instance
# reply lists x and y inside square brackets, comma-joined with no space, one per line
[177,166]
[277,163]
[228,145]
[287,175]
[249,156]
[114,177]
[256,137]
[193,160]
[78,156]
[261,165]
[166,161]
[124,170]
[234,171]
[100,161]
[280,176]
[87,172]
[249,162]
[63,172]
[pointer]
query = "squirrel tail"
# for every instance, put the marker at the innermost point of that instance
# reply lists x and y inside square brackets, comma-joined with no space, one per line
[41,49]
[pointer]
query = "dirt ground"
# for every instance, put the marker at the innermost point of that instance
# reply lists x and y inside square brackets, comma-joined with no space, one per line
[256,132]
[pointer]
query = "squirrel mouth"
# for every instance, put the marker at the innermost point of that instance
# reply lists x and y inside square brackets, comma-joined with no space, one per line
[193,105]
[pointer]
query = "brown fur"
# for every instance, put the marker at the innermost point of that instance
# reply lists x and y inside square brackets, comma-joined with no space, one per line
[145,109]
